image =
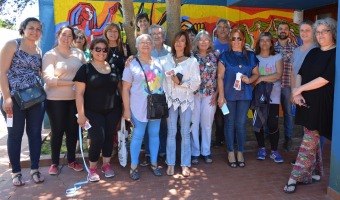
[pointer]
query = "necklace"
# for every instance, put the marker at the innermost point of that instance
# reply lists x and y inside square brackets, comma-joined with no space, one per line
[238,61]
[179,57]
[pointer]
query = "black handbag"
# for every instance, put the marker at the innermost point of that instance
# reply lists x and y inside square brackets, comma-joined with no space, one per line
[30,96]
[157,107]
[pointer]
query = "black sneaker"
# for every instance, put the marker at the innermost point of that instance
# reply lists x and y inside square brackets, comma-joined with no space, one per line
[146,161]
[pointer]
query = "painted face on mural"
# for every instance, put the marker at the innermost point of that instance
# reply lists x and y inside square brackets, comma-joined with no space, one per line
[306,32]
[87,13]
[157,36]
[283,31]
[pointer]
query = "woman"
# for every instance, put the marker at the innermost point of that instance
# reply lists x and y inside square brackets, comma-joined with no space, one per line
[97,79]
[205,98]
[80,42]
[270,67]
[118,51]
[60,65]
[135,92]
[237,70]
[314,93]
[142,24]
[182,79]
[20,67]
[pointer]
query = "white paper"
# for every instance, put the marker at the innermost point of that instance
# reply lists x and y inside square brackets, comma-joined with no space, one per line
[237,83]
[225,109]
[9,121]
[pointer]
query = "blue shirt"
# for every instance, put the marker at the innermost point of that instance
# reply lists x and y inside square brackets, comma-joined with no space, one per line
[235,62]
[220,48]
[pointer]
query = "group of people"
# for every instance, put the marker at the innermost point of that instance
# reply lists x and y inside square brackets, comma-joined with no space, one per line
[200,79]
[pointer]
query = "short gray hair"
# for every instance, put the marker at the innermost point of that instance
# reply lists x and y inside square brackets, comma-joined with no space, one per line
[200,34]
[223,21]
[330,23]
[139,38]
[157,26]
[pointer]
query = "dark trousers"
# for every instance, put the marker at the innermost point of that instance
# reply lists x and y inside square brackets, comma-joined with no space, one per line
[219,122]
[273,128]
[62,115]
[101,133]
[33,118]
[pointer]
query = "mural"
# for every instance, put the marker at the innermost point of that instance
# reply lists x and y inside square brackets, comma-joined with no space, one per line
[92,17]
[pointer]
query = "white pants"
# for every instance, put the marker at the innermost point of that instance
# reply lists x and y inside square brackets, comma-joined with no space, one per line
[203,114]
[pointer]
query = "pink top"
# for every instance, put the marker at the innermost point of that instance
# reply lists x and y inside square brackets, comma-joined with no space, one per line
[56,67]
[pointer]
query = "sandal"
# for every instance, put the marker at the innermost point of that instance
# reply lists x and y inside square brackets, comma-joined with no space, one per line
[185,171]
[156,170]
[17,180]
[195,160]
[171,170]
[134,174]
[232,164]
[285,189]
[240,162]
[37,178]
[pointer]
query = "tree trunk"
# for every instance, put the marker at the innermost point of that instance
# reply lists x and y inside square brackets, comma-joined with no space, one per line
[129,24]
[173,19]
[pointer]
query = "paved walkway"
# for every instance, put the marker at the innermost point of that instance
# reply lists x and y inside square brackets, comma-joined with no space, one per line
[258,180]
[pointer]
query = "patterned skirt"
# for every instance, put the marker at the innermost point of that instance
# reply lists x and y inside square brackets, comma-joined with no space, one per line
[309,159]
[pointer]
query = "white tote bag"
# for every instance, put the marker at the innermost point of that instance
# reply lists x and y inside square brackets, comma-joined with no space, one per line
[122,144]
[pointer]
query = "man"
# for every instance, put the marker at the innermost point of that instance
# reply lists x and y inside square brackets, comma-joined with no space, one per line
[286,49]
[221,44]
[160,49]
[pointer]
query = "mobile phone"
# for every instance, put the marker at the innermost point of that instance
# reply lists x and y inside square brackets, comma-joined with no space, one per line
[9,120]
[225,109]
[179,76]
[304,104]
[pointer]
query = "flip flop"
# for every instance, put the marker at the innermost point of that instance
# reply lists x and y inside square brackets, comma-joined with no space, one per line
[18,179]
[36,176]
[289,185]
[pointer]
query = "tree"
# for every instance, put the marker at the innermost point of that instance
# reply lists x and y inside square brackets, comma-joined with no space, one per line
[173,19]
[129,24]
[6,24]
[10,9]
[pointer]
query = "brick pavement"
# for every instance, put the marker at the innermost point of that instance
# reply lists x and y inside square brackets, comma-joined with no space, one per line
[258,180]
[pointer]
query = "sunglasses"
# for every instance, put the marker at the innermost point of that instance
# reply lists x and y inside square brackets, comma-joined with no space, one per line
[98,49]
[80,37]
[236,39]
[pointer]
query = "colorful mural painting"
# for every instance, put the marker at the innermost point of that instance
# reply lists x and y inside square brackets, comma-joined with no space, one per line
[92,16]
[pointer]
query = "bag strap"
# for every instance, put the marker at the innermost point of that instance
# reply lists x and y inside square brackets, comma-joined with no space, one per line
[146,79]
[122,124]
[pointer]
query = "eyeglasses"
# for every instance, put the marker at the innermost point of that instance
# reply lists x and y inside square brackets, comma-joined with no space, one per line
[154,34]
[323,32]
[236,39]
[146,43]
[80,37]
[203,41]
[98,49]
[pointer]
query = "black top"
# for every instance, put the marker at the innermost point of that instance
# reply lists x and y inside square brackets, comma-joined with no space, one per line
[100,91]
[319,115]
[117,59]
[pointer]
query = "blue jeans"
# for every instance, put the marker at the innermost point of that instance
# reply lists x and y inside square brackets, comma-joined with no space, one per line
[33,118]
[185,118]
[287,111]
[137,138]
[236,119]
[162,139]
